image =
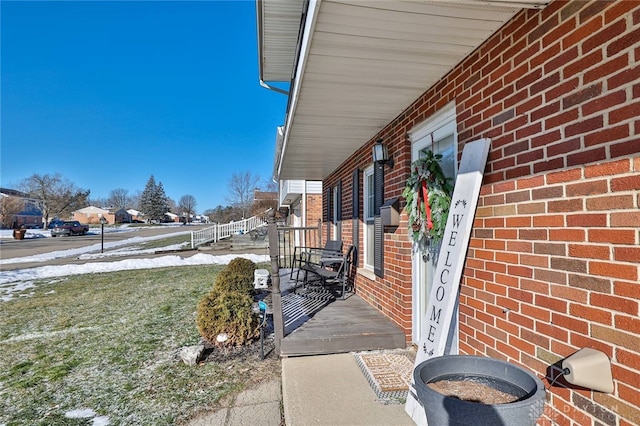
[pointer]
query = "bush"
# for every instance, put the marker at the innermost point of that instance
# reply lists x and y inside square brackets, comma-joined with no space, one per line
[227,312]
[237,276]
[242,266]
[228,281]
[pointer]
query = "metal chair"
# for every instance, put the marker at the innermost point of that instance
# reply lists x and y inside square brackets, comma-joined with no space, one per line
[332,249]
[337,272]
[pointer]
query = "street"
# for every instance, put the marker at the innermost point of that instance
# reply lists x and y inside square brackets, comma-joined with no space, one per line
[10,248]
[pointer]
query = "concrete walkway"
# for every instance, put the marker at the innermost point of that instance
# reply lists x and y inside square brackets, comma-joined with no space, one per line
[332,390]
[315,390]
[258,406]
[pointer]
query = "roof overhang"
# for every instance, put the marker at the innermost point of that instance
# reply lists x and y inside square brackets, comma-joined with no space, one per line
[357,64]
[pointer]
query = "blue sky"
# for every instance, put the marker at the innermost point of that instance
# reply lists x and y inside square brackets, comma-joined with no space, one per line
[109,93]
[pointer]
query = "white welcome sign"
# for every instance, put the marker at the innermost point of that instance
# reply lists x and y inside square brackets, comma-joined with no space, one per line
[444,293]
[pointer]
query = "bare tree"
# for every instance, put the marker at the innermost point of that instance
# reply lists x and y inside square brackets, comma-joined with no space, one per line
[187,205]
[54,195]
[9,207]
[240,190]
[118,198]
[98,202]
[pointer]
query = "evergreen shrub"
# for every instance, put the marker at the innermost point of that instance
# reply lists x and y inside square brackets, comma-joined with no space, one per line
[228,307]
[227,312]
[242,266]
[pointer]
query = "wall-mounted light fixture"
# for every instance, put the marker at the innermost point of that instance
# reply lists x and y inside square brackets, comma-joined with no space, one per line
[381,154]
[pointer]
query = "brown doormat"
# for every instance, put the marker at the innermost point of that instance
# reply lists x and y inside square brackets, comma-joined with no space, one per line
[388,372]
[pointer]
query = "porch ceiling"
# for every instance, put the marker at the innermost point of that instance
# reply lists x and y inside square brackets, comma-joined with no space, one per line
[361,63]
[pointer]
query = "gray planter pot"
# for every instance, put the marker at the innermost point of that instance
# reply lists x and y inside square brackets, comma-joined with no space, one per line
[443,410]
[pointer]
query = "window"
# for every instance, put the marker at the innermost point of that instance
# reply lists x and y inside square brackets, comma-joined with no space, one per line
[369,210]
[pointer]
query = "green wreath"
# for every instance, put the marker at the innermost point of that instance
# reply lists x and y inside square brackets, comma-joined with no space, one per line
[428,195]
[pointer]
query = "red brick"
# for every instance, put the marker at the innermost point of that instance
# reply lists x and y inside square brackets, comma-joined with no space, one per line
[607,134]
[591,283]
[614,270]
[612,202]
[585,157]
[548,221]
[586,93]
[604,69]
[626,112]
[532,234]
[624,42]
[602,37]
[561,119]
[582,32]
[546,138]
[570,323]
[563,147]
[569,293]
[585,126]
[591,314]
[566,264]
[520,271]
[550,248]
[627,183]
[590,251]
[626,148]
[547,192]
[553,304]
[605,102]
[627,254]
[625,220]
[607,169]
[567,205]
[567,235]
[532,182]
[587,188]
[626,289]
[535,312]
[629,323]
[620,8]
[613,236]
[546,328]
[587,220]
[564,176]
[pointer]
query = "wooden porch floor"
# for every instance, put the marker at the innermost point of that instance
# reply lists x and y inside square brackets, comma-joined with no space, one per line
[315,325]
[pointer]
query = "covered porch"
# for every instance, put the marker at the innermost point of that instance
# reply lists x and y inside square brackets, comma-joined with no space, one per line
[317,321]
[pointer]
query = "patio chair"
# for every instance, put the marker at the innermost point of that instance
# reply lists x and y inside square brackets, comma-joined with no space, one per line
[331,250]
[338,272]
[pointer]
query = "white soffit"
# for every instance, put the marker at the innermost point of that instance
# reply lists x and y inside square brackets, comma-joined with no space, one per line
[364,61]
[278,28]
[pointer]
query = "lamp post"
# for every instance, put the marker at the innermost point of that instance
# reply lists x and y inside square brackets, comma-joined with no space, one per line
[102,222]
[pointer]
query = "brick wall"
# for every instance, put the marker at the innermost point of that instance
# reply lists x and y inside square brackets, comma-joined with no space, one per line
[554,257]
[314,209]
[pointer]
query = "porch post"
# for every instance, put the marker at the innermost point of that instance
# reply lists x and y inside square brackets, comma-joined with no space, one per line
[276,296]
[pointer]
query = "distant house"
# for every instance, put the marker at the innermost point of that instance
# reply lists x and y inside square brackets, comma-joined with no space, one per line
[136,215]
[19,210]
[171,217]
[93,214]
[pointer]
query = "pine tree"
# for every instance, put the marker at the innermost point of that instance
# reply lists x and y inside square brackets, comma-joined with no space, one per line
[153,200]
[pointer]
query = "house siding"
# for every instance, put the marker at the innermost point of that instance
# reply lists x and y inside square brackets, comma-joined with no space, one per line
[553,261]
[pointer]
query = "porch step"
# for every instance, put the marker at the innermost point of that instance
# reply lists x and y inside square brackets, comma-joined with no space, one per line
[245,241]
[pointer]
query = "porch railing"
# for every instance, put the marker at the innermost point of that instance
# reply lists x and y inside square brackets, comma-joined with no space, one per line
[290,237]
[215,233]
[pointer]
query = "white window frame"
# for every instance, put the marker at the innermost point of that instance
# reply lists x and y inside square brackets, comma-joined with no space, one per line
[367,215]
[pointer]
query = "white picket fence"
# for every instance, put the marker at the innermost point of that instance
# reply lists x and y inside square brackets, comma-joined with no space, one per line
[218,232]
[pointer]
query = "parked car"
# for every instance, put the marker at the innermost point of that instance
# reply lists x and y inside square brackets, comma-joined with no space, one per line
[54,223]
[72,227]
